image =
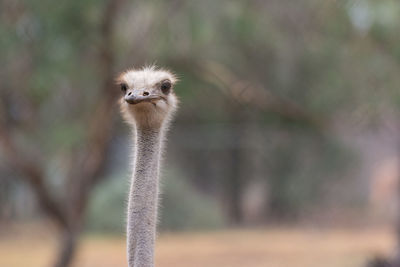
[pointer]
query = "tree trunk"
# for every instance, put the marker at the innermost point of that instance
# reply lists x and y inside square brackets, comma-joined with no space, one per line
[235,187]
[236,163]
[68,245]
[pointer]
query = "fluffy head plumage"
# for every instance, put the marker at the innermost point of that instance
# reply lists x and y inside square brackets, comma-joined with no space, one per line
[148,99]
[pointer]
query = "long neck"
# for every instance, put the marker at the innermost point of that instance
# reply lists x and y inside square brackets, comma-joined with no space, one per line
[143,198]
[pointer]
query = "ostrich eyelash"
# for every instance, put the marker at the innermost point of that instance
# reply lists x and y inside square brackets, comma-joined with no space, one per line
[124,87]
[166,86]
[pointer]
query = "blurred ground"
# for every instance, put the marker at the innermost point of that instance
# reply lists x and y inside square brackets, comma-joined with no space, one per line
[233,248]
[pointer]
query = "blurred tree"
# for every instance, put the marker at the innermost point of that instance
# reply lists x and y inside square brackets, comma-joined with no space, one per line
[42,49]
[295,69]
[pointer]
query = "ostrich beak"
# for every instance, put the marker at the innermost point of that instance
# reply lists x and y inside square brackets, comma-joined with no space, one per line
[138,96]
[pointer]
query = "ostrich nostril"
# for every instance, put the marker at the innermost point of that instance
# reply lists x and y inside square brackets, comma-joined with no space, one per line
[129,93]
[146,93]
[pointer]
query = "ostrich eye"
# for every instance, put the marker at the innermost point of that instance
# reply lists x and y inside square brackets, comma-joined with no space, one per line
[166,86]
[124,87]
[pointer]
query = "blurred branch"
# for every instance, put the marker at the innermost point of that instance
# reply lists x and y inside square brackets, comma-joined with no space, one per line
[246,92]
[32,172]
[100,129]
[88,171]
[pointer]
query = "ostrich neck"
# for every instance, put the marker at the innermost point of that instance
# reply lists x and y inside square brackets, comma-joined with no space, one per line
[143,198]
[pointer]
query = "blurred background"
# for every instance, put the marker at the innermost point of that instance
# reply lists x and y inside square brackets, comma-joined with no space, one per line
[284,152]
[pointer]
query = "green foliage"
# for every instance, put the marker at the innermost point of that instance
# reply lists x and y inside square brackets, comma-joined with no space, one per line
[106,212]
[183,208]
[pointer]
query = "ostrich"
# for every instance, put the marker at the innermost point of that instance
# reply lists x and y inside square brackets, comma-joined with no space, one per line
[147,105]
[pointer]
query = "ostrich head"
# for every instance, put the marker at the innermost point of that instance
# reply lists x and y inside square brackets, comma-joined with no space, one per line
[148,100]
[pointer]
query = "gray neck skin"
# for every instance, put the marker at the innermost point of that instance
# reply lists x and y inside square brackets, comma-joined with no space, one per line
[143,198]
